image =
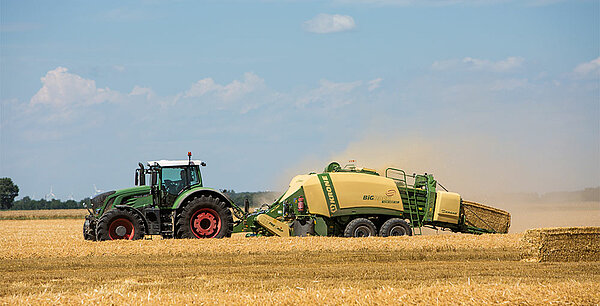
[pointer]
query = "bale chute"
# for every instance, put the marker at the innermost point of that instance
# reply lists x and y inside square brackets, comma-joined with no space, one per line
[486,217]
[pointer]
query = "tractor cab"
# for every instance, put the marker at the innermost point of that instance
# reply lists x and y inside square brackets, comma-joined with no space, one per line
[169,178]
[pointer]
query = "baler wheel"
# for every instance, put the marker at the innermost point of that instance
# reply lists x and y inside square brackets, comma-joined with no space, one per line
[120,224]
[360,227]
[204,217]
[395,227]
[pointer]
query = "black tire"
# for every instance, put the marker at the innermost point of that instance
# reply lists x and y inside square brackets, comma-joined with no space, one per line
[360,227]
[204,217]
[395,227]
[111,225]
[89,229]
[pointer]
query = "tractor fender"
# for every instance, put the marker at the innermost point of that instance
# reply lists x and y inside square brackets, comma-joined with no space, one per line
[197,192]
[135,211]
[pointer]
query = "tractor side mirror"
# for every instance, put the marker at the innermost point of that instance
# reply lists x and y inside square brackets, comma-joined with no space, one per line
[137,174]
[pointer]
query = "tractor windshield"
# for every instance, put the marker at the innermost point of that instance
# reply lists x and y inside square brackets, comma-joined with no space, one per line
[175,179]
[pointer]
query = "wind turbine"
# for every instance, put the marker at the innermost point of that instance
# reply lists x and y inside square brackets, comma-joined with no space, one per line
[97,191]
[71,198]
[50,196]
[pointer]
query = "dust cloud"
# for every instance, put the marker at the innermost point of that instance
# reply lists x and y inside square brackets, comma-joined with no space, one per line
[481,170]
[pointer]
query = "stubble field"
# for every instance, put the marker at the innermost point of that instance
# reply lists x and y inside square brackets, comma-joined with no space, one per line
[43,214]
[48,262]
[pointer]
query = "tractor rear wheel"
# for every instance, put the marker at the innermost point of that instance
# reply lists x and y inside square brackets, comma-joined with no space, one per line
[395,227]
[360,227]
[120,224]
[204,217]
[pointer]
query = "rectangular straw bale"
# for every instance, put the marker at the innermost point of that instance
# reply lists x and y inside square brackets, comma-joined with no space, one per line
[561,244]
[486,217]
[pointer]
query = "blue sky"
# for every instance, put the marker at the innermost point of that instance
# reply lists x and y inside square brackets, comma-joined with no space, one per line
[490,96]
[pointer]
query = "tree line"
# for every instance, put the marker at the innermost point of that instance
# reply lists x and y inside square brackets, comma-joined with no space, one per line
[256,199]
[9,191]
[28,203]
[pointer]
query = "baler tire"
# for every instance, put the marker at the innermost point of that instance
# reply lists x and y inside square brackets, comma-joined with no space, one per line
[395,227]
[204,217]
[111,220]
[360,227]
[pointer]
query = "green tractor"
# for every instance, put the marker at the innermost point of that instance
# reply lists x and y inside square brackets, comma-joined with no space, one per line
[174,205]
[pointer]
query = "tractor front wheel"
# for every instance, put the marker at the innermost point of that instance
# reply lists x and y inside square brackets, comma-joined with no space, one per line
[360,227]
[120,224]
[204,217]
[89,229]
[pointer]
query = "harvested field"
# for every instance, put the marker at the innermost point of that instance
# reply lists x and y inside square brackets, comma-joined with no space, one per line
[43,214]
[48,262]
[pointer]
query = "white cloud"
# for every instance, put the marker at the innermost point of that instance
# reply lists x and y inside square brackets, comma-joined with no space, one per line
[69,94]
[202,87]
[227,93]
[237,89]
[588,68]
[326,23]
[505,65]
[330,93]
[61,89]
[143,91]
[374,84]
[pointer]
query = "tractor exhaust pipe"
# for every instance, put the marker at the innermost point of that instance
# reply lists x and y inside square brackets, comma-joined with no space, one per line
[246,206]
[142,175]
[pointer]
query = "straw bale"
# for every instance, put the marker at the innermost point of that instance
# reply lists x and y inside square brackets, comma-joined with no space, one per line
[561,244]
[486,217]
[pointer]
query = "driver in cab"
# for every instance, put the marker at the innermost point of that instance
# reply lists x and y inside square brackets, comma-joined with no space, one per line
[174,187]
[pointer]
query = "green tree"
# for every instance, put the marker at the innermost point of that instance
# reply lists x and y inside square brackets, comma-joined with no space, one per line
[8,192]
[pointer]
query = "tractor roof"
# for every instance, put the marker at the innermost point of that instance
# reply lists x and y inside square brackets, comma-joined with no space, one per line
[173,163]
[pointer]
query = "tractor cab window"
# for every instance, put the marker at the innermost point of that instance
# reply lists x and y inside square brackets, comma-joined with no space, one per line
[194,176]
[175,179]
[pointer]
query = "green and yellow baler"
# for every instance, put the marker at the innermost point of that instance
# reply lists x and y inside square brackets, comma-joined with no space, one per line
[355,202]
